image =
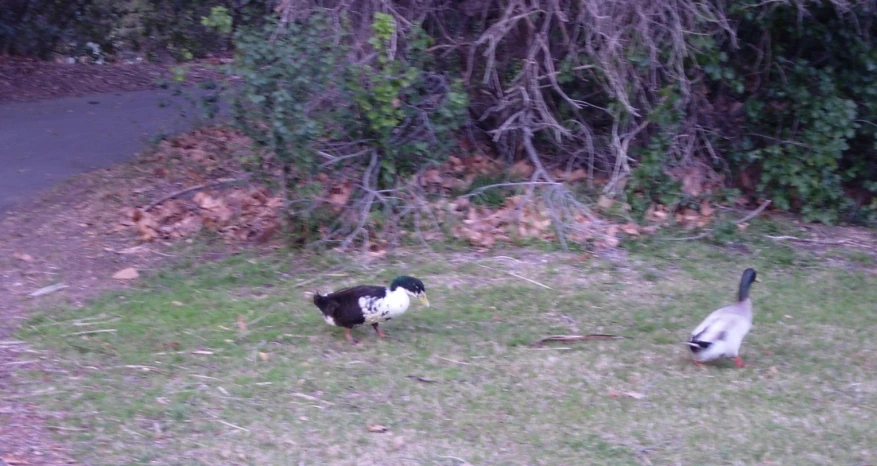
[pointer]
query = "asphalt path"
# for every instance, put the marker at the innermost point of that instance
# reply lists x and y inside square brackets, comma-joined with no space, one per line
[43,143]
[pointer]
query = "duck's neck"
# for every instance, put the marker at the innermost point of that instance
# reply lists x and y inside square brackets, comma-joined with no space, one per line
[743,293]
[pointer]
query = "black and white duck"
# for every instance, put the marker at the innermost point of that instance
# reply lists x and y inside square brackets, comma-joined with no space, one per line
[365,304]
[722,332]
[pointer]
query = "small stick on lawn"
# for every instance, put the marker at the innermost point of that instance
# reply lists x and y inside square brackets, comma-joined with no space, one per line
[807,240]
[232,425]
[421,379]
[89,332]
[591,336]
[516,276]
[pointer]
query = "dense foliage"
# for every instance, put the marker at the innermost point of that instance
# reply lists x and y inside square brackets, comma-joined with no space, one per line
[668,102]
[159,29]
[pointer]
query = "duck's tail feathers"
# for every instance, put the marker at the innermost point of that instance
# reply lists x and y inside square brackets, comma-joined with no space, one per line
[697,346]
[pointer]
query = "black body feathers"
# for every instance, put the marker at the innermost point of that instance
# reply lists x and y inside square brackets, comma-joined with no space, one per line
[342,306]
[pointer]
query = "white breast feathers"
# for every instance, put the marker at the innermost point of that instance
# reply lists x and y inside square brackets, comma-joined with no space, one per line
[393,304]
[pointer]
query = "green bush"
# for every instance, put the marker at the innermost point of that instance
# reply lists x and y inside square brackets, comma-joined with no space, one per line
[301,99]
[809,126]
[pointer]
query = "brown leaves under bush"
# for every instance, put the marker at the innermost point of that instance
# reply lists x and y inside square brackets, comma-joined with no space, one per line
[483,227]
[252,213]
[237,215]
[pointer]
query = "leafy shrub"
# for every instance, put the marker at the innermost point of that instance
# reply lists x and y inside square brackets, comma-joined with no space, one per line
[809,124]
[302,99]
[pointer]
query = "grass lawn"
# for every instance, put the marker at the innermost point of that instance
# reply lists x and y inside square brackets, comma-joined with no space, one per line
[165,374]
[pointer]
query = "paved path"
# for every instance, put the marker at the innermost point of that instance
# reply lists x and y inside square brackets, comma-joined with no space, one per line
[44,142]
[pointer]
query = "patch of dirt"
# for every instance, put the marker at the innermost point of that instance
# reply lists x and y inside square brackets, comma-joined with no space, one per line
[25,80]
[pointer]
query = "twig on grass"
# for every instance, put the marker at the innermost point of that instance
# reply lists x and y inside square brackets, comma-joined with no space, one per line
[591,336]
[691,238]
[807,240]
[232,425]
[139,367]
[461,460]
[421,379]
[516,276]
[310,398]
[47,290]
[89,332]
[66,429]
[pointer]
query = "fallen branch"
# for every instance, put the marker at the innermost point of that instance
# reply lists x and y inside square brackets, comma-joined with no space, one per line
[692,238]
[754,213]
[591,336]
[232,425]
[745,219]
[310,398]
[461,460]
[806,240]
[516,276]
[47,290]
[140,368]
[188,190]
[89,332]
[421,379]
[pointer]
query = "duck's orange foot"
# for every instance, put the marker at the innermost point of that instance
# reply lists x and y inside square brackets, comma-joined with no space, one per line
[349,337]
[381,334]
[698,363]
[739,362]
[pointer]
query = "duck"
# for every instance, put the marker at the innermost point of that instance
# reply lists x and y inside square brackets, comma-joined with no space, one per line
[369,305]
[722,332]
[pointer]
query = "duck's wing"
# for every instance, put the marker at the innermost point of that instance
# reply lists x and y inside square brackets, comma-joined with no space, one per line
[353,293]
[716,327]
[343,305]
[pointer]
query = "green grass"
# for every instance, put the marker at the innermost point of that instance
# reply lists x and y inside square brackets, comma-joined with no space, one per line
[177,381]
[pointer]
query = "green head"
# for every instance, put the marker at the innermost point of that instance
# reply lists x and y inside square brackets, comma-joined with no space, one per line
[413,286]
[749,277]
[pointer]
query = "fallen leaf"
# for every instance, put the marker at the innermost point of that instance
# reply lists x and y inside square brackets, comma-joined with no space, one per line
[340,194]
[630,228]
[523,169]
[242,323]
[692,182]
[377,428]
[604,202]
[634,395]
[742,226]
[129,273]
[706,209]
[176,303]
[23,257]
[263,356]
[398,443]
